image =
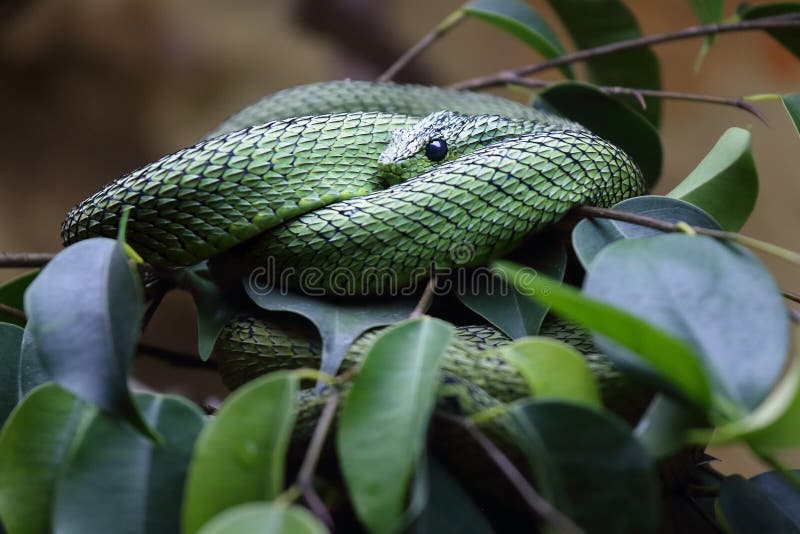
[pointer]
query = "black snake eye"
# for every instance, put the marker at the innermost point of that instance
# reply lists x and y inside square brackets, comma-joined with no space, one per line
[436,150]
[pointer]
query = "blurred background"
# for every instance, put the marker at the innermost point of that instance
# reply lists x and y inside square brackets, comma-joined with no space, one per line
[91,89]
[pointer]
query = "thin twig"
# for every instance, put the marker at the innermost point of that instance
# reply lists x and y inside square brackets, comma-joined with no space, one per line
[425,300]
[24,259]
[178,359]
[739,102]
[305,477]
[494,80]
[794,315]
[794,297]
[537,503]
[13,312]
[428,39]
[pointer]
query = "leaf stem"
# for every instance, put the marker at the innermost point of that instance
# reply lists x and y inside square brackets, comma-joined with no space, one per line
[537,503]
[427,40]
[494,80]
[305,477]
[425,300]
[11,260]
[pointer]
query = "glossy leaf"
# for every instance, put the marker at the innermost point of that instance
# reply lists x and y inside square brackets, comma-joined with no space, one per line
[553,369]
[11,294]
[239,456]
[590,236]
[782,494]
[788,37]
[747,509]
[664,428]
[339,322]
[586,463]
[34,445]
[125,479]
[666,355]
[505,307]
[272,518]
[31,372]
[725,183]
[792,104]
[382,427]
[213,309]
[610,119]
[84,317]
[593,23]
[715,296]
[10,343]
[522,21]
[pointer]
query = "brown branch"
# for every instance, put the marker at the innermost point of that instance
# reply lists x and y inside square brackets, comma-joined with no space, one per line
[24,259]
[425,300]
[427,40]
[536,502]
[589,53]
[13,312]
[178,359]
[639,94]
[305,477]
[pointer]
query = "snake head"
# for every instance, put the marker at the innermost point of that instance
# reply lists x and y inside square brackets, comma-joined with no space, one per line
[439,137]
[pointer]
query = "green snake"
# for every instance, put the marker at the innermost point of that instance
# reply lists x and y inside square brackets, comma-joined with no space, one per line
[360,177]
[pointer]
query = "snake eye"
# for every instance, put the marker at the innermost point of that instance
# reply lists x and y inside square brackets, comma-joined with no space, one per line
[436,150]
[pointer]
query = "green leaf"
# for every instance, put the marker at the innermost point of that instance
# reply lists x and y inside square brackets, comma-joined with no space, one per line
[213,309]
[707,11]
[339,322]
[593,23]
[449,509]
[125,479]
[523,22]
[589,465]
[668,356]
[31,372]
[715,296]
[792,104]
[11,294]
[10,343]
[747,509]
[774,485]
[34,445]
[84,317]
[504,307]
[664,428]
[610,119]
[590,236]
[725,183]
[272,518]
[553,369]
[788,37]
[381,433]
[240,455]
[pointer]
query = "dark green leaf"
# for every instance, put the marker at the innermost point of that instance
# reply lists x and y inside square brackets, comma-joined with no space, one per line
[669,357]
[31,372]
[775,486]
[381,433]
[747,509]
[213,309]
[715,296]
[792,104]
[266,518]
[449,509]
[788,37]
[590,236]
[10,343]
[610,119]
[589,465]
[240,455]
[520,20]
[339,322]
[84,316]
[725,183]
[128,482]
[593,23]
[12,293]
[503,306]
[663,428]
[34,445]
[553,369]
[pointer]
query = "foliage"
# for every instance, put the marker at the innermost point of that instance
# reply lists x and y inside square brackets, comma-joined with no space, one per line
[694,321]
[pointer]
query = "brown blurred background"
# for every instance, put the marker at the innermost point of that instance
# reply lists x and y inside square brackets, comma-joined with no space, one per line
[91,89]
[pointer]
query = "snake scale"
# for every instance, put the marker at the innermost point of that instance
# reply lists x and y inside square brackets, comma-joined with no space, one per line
[359,176]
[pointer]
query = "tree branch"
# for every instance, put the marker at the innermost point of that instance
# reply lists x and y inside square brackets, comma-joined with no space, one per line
[305,477]
[425,300]
[13,312]
[494,80]
[178,359]
[24,259]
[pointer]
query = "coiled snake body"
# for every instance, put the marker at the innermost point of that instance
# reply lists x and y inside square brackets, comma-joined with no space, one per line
[359,176]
